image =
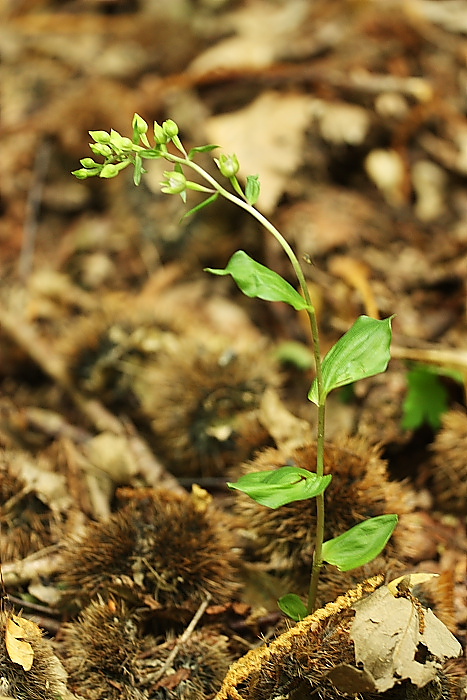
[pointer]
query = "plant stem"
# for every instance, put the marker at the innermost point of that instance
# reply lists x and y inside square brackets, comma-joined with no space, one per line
[319,535]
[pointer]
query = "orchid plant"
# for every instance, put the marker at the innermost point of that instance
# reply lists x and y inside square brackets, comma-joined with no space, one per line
[362,352]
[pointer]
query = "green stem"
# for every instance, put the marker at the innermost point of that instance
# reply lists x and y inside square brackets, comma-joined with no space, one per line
[319,535]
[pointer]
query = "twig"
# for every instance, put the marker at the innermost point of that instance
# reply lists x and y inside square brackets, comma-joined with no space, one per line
[183,638]
[33,205]
[43,563]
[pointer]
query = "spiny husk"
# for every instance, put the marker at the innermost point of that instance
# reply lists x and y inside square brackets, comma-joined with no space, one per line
[164,547]
[283,539]
[45,680]
[202,402]
[26,523]
[196,672]
[449,465]
[99,652]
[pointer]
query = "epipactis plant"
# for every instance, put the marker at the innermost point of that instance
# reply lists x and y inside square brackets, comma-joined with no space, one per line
[362,352]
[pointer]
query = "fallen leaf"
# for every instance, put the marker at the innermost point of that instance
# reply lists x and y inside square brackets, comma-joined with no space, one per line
[248,48]
[19,650]
[267,137]
[391,645]
[350,680]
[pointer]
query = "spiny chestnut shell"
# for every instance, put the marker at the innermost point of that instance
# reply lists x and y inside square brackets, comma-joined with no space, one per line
[449,465]
[99,652]
[163,546]
[201,401]
[45,680]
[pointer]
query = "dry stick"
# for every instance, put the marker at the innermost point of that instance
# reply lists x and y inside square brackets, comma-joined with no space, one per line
[33,205]
[184,638]
[42,563]
[148,465]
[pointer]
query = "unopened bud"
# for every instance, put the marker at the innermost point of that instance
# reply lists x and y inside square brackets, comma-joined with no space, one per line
[170,128]
[100,136]
[228,165]
[159,134]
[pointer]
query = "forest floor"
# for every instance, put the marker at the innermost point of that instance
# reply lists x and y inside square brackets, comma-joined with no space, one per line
[133,385]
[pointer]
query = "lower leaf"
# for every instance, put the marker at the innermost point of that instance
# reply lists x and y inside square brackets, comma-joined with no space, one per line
[361,544]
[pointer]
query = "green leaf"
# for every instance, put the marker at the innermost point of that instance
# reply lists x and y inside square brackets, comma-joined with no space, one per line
[295,353]
[252,189]
[201,205]
[139,170]
[426,400]
[293,606]
[361,544]
[201,149]
[362,352]
[256,280]
[278,487]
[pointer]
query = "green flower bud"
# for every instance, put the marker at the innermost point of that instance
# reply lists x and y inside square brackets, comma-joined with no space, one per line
[139,125]
[88,163]
[100,136]
[174,182]
[109,170]
[228,165]
[126,144]
[170,128]
[159,134]
[100,149]
[84,173]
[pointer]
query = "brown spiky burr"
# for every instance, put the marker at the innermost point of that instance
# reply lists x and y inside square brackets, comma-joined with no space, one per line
[202,402]
[164,547]
[191,669]
[283,539]
[448,470]
[26,523]
[99,652]
[29,670]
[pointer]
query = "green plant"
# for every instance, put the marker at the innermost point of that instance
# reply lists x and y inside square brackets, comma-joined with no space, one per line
[362,352]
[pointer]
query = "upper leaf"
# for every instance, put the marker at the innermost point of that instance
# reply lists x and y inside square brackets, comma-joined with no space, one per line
[362,352]
[361,544]
[256,280]
[278,487]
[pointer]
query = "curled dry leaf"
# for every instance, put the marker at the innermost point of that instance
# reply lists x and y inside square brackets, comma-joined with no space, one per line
[395,640]
[19,650]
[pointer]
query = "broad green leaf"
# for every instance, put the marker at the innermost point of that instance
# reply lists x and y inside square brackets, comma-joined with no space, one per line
[361,544]
[293,606]
[256,280]
[278,487]
[426,400]
[362,352]
[252,189]
[201,205]
[201,149]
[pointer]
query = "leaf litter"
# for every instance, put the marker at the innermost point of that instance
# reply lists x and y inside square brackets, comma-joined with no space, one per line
[362,105]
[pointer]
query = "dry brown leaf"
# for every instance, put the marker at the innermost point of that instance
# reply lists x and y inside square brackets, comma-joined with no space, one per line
[249,48]
[19,650]
[390,636]
[267,137]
